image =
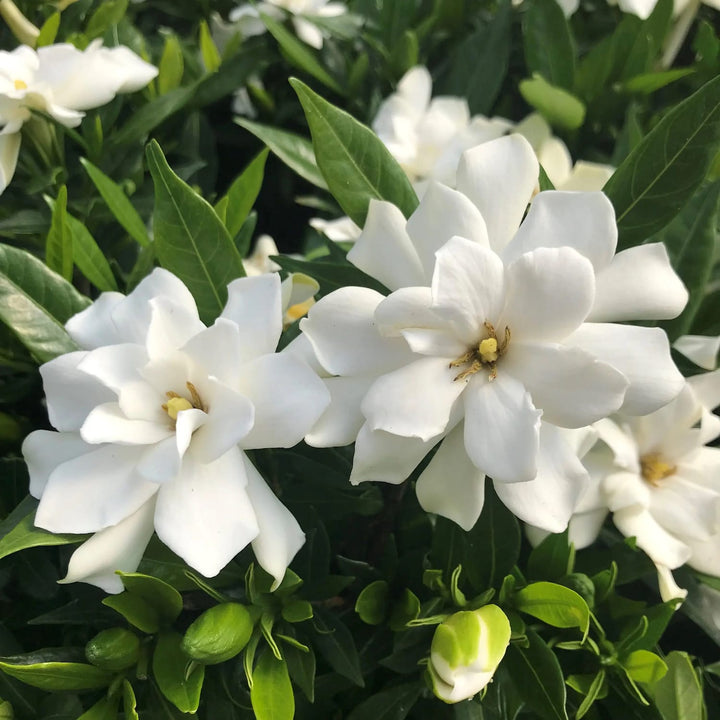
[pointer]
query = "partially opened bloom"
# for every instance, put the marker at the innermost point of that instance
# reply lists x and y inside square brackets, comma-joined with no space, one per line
[499,334]
[63,82]
[153,417]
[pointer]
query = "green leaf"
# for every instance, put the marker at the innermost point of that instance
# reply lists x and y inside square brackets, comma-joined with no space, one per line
[678,695]
[170,672]
[301,667]
[297,611]
[164,598]
[548,42]
[113,649]
[35,302]
[18,531]
[478,65]
[647,83]
[294,150]
[218,634]
[552,559]
[559,107]
[191,240]
[298,54]
[271,694]
[58,247]
[49,30]
[208,50]
[242,194]
[108,13]
[129,702]
[171,66]
[597,689]
[393,703]
[118,203]
[664,170]
[538,677]
[135,610]
[554,604]
[644,666]
[337,646]
[353,160]
[104,709]
[690,239]
[89,258]
[58,675]
[372,603]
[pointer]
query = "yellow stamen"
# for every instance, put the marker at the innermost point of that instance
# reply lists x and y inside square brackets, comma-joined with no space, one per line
[483,355]
[654,468]
[176,405]
[20,85]
[488,349]
[195,395]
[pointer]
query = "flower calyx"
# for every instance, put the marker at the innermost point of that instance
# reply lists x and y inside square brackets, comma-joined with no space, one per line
[484,355]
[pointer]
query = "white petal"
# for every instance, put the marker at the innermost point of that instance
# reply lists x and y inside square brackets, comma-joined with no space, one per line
[161,461]
[570,386]
[702,350]
[639,284]
[220,351]
[383,457]
[280,536]
[587,176]
[706,387]
[302,349]
[549,294]
[641,354]
[9,151]
[548,500]
[625,490]
[384,249]
[119,547]
[171,326]
[94,327]
[341,422]
[415,87]
[415,400]
[442,214]
[451,485]
[204,515]
[342,229]
[308,32]
[44,451]
[107,423]
[669,589]
[468,287]
[705,555]
[685,509]
[114,365]
[70,393]
[499,177]
[188,421]
[93,491]
[344,334]
[288,398]
[622,443]
[502,429]
[255,304]
[582,221]
[555,159]
[662,547]
[584,528]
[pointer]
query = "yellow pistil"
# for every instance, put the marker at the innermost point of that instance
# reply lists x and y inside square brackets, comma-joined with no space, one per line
[20,85]
[484,355]
[654,468]
[177,403]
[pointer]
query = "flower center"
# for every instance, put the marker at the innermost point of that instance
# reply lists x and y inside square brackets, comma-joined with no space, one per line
[177,403]
[483,355]
[20,85]
[654,468]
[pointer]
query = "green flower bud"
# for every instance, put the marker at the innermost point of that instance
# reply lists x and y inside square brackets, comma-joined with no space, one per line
[114,649]
[219,634]
[466,650]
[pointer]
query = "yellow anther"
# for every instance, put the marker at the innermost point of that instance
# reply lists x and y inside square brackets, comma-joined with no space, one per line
[488,350]
[176,405]
[654,468]
[20,85]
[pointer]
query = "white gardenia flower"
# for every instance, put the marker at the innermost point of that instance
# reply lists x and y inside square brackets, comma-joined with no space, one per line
[63,82]
[660,481]
[499,333]
[701,349]
[153,416]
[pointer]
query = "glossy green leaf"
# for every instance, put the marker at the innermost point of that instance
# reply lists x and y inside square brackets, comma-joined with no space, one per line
[170,672]
[171,66]
[554,604]
[243,192]
[191,240]
[18,531]
[644,666]
[353,160]
[58,675]
[107,14]
[552,559]
[297,611]
[129,702]
[164,598]
[537,677]
[294,150]
[678,695]
[299,54]
[89,258]
[394,703]
[597,689]
[372,602]
[118,203]
[208,50]
[548,42]
[137,611]
[271,693]
[337,646]
[59,246]
[660,175]
[647,83]
[301,667]
[558,106]
[104,709]
[49,30]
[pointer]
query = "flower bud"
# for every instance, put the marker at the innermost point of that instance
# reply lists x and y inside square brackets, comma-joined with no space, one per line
[466,650]
[219,634]
[114,649]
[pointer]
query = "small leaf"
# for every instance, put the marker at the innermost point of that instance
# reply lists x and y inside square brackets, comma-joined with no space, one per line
[372,603]
[393,703]
[171,66]
[548,42]
[208,50]
[49,30]
[597,689]
[135,610]
[337,646]
[353,160]
[301,667]
[271,693]
[297,611]
[644,666]
[553,558]
[678,695]
[164,598]
[58,247]
[554,604]
[129,702]
[169,669]
[58,675]
[104,709]
[647,83]
[109,13]
[191,240]
[559,107]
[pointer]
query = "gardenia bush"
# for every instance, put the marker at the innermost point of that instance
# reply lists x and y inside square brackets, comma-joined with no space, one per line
[359,360]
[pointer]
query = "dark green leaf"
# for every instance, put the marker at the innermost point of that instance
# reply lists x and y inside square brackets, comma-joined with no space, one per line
[552,559]
[665,169]
[104,709]
[164,598]
[337,646]
[353,160]
[393,703]
[89,258]
[372,603]
[678,695]
[109,13]
[59,246]
[301,666]
[242,194]
[191,240]
[548,42]
[170,672]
